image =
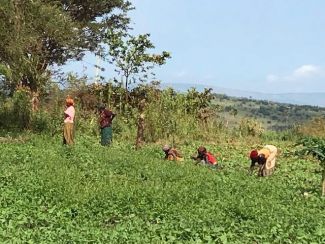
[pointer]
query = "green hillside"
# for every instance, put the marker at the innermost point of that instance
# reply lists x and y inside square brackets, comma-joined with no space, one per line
[274,116]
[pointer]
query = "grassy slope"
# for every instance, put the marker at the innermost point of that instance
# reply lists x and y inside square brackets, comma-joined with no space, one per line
[89,193]
[275,116]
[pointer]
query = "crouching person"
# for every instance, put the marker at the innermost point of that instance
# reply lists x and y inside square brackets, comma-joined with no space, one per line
[204,157]
[265,158]
[172,154]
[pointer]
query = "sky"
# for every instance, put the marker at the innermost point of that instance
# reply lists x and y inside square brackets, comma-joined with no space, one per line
[272,46]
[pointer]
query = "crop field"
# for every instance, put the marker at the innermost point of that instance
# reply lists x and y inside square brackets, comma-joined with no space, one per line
[89,193]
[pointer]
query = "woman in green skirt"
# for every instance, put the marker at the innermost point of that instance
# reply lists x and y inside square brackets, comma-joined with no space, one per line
[106,117]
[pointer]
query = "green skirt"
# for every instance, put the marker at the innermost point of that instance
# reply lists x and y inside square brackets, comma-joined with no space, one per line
[106,135]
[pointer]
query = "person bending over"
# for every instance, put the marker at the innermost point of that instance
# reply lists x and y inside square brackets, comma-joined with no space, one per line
[205,157]
[265,158]
[172,154]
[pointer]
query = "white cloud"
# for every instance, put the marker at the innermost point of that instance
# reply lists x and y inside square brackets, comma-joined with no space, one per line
[182,74]
[302,74]
[306,71]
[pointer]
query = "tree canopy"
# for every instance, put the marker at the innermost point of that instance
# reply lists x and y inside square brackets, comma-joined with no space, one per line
[131,57]
[40,33]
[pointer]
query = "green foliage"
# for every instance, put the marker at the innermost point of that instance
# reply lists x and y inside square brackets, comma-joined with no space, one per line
[250,127]
[131,57]
[171,115]
[315,127]
[22,107]
[38,34]
[316,148]
[168,115]
[16,111]
[50,194]
[274,116]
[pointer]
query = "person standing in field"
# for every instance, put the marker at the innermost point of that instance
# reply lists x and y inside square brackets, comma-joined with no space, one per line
[68,130]
[265,158]
[106,117]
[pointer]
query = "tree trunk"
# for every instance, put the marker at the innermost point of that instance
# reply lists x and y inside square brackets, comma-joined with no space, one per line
[126,90]
[35,102]
[323,181]
[140,132]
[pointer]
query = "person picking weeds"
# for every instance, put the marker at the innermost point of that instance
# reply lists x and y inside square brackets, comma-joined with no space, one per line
[205,157]
[265,158]
[172,154]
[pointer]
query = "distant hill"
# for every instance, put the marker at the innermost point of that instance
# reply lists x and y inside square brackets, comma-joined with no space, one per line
[313,99]
[273,115]
[275,111]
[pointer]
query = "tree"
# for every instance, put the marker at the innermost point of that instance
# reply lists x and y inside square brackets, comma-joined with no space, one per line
[131,58]
[198,104]
[38,34]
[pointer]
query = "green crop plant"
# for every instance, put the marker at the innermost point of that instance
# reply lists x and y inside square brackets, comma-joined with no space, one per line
[90,193]
[316,148]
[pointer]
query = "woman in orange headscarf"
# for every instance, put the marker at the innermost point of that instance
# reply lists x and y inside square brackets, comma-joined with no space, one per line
[68,130]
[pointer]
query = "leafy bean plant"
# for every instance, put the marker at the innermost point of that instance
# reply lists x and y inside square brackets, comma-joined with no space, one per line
[94,194]
[316,148]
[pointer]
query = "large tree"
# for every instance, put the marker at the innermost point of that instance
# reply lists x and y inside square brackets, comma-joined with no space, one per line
[37,34]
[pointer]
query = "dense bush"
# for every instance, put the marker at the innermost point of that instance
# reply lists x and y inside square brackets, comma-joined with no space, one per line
[250,127]
[15,111]
[314,127]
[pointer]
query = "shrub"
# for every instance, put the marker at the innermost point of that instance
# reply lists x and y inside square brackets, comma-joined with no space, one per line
[314,127]
[250,127]
[16,110]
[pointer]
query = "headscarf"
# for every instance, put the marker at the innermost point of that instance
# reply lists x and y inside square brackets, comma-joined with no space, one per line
[69,101]
[166,148]
[253,154]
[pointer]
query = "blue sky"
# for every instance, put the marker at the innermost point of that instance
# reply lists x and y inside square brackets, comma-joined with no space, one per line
[257,45]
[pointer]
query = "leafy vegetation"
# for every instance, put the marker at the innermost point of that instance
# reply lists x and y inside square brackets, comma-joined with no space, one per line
[36,35]
[130,56]
[316,148]
[89,193]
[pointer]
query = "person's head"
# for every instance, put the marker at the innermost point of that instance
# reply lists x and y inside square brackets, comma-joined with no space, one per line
[101,107]
[69,101]
[166,148]
[254,156]
[261,159]
[201,150]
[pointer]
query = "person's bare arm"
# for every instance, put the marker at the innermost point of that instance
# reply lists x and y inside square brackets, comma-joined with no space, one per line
[113,116]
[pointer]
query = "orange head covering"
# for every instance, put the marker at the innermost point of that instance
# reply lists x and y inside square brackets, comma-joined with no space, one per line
[69,101]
